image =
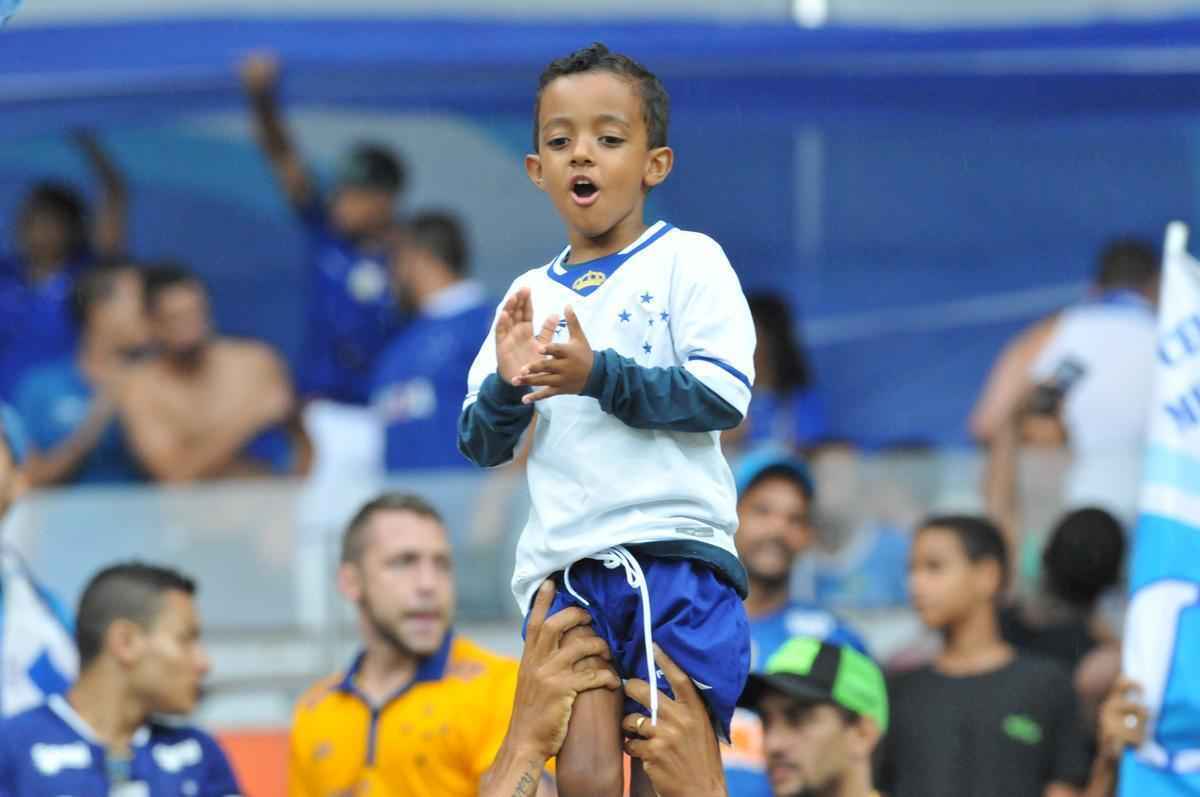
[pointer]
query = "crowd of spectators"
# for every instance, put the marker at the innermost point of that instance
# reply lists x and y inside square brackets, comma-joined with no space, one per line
[118,375]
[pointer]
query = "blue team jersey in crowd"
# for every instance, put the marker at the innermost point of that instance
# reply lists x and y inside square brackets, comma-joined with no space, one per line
[745,766]
[870,572]
[767,634]
[421,378]
[792,419]
[351,313]
[53,401]
[37,326]
[49,751]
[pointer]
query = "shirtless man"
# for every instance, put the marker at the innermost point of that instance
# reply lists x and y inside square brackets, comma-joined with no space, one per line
[208,407]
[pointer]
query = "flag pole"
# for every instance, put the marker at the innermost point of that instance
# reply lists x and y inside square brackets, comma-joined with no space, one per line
[1176,239]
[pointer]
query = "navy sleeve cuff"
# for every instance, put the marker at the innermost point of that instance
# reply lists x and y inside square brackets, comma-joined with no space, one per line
[501,392]
[594,386]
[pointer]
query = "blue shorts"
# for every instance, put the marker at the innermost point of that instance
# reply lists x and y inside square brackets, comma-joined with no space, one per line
[696,617]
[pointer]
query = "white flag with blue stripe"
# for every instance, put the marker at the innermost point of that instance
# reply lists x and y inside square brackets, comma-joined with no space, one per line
[1162,634]
[37,651]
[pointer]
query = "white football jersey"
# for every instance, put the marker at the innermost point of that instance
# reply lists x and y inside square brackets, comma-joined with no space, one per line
[669,299]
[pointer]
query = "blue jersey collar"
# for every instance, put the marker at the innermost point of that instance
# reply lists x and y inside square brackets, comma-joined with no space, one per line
[585,278]
[62,709]
[431,668]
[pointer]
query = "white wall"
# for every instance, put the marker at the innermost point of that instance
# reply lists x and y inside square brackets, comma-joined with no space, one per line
[1006,12]
[49,11]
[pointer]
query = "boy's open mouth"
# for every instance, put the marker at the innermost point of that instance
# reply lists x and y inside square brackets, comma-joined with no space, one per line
[584,190]
[582,187]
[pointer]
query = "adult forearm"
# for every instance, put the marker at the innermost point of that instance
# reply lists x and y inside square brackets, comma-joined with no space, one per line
[113,209]
[58,464]
[1103,779]
[515,773]
[272,133]
[1000,485]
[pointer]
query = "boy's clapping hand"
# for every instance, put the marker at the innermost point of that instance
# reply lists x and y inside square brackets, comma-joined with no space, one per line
[560,368]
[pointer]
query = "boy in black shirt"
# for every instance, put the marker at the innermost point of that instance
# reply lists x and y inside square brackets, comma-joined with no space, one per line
[982,720]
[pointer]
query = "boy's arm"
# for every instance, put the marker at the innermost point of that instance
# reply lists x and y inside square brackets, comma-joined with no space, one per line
[493,416]
[492,421]
[657,398]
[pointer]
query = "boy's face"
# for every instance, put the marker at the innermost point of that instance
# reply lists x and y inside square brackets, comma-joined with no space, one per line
[593,156]
[945,585]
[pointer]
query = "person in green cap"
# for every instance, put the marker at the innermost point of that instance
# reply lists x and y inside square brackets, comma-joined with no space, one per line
[824,708]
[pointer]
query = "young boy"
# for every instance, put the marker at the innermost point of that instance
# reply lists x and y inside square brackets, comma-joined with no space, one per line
[983,719]
[633,505]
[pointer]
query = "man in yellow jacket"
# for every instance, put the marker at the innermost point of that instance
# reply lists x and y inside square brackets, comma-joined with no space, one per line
[420,711]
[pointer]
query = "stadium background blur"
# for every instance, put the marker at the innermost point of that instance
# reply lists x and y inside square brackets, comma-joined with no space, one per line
[919,180]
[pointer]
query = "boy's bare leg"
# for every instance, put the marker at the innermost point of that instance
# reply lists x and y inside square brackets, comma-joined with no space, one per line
[591,762]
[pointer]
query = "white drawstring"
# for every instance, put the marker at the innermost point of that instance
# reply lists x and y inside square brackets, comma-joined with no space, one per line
[612,558]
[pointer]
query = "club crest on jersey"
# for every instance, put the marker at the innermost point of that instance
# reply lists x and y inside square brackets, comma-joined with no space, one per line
[592,279]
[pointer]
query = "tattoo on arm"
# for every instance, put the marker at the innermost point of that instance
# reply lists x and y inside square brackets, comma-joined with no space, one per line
[527,785]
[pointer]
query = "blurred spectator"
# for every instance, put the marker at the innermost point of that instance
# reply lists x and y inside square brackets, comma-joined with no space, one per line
[1092,368]
[824,708]
[138,635]
[1110,342]
[857,561]
[207,407]
[53,246]
[775,493]
[1082,561]
[420,710]
[983,719]
[421,377]
[70,406]
[788,408]
[351,313]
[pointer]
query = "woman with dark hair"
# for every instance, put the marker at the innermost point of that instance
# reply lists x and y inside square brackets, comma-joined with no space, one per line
[788,409]
[55,238]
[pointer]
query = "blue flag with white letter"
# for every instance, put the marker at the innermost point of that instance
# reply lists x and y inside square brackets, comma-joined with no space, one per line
[1162,634]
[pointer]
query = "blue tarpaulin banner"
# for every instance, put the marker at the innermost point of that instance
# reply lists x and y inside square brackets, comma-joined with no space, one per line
[918,195]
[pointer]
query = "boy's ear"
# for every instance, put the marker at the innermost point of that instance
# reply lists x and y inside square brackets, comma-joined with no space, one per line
[533,167]
[991,577]
[658,165]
